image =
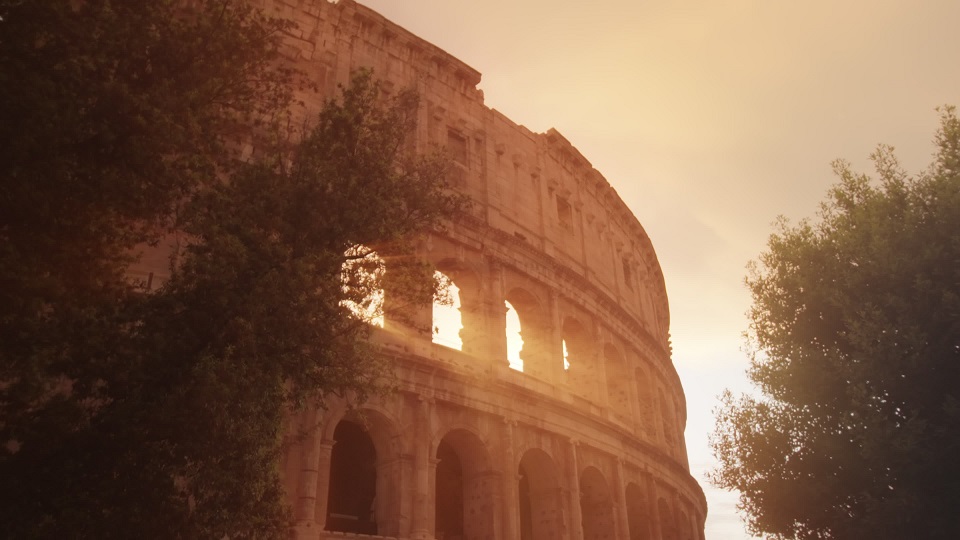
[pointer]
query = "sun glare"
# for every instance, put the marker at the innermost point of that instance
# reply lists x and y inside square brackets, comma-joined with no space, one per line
[359,272]
[447,321]
[514,341]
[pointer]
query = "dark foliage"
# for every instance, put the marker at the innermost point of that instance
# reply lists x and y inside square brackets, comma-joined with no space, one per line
[855,326]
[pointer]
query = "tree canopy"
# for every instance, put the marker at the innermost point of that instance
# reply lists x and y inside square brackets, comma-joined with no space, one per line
[130,414]
[855,339]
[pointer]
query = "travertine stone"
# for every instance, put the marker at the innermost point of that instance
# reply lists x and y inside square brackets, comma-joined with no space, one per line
[549,234]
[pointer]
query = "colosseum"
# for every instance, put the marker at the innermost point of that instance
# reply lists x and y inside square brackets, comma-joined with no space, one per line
[577,433]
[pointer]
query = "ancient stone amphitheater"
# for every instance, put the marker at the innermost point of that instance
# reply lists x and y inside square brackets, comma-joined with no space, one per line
[586,442]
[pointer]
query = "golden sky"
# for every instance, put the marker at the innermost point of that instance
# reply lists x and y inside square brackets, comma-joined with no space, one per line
[710,118]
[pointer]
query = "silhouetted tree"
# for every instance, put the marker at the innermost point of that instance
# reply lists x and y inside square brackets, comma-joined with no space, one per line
[855,328]
[125,414]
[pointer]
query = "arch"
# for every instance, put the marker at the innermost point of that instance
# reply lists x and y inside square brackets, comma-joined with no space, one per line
[648,411]
[363,492]
[541,499]
[596,506]
[618,382]
[668,421]
[668,526]
[685,529]
[638,519]
[514,337]
[580,354]
[446,316]
[353,481]
[465,488]
[534,332]
[361,277]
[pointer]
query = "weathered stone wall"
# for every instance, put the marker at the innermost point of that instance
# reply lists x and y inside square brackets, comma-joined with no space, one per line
[593,451]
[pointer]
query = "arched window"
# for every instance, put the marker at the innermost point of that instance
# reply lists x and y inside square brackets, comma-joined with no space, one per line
[447,319]
[637,518]
[648,416]
[667,524]
[618,382]
[514,338]
[596,506]
[353,481]
[579,358]
[668,419]
[465,492]
[533,331]
[541,504]
[361,277]
[449,493]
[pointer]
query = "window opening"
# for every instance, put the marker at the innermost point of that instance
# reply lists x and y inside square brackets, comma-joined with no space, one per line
[447,317]
[449,493]
[457,150]
[457,147]
[353,481]
[514,339]
[565,214]
[361,276]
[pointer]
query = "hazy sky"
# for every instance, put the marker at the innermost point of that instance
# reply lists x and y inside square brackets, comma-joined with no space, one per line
[710,118]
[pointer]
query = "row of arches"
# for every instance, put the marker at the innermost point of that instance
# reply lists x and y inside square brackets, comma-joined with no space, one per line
[595,371]
[551,339]
[466,498]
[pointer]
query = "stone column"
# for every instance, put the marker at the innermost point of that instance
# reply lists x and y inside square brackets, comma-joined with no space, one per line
[431,513]
[653,507]
[600,391]
[323,482]
[496,314]
[554,350]
[623,524]
[310,467]
[421,523]
[311,505]
[573,481]
[510,479]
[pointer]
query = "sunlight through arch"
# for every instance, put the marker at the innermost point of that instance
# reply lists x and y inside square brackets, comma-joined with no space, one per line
[447,319]
[361,275]
[514,341]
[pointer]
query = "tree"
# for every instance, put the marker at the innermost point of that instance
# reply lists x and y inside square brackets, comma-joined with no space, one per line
[124,414]
[855,328]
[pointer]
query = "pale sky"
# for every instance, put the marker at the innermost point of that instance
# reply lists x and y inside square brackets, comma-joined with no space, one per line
[710,118]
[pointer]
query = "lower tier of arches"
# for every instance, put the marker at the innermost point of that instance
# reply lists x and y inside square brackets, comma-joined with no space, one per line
[414,466]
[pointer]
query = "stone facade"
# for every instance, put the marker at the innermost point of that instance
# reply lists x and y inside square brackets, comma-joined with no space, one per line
[470,448]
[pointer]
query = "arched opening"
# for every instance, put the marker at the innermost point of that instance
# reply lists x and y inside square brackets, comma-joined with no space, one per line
[541,505]
[637,519]
[618,382]
[447,320]
[668,421]
[596,506]
[668,527]
[353,481]
[514,338]
[465,489]
[361,284]
[449,494]
[648,415]
[579,356]
[686,529]
[534,343]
